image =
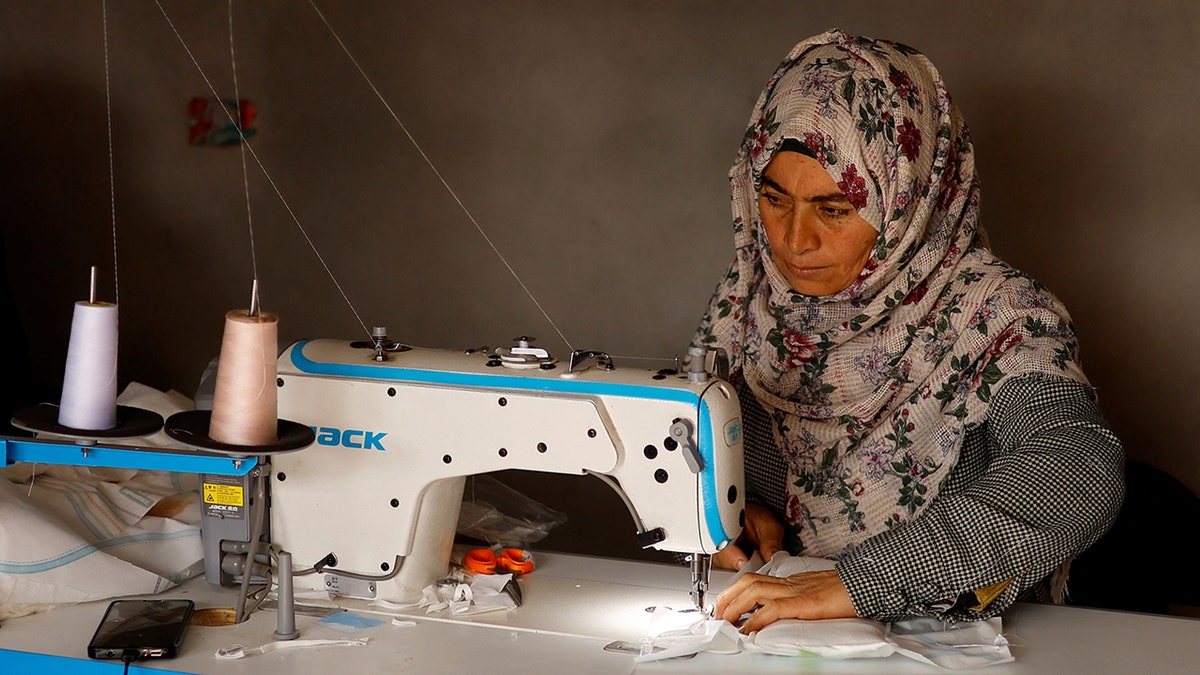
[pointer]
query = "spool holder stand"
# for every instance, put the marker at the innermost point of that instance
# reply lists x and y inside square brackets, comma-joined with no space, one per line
[131,423]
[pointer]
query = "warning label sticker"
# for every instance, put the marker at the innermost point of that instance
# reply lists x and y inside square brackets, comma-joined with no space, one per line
[224,495]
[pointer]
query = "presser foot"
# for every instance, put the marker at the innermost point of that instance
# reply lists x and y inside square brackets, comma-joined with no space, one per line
[701,564]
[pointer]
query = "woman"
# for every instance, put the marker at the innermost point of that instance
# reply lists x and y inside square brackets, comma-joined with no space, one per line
[913,406]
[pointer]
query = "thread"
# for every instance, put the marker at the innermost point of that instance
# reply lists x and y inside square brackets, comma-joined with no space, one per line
[245,408]
[262,168]
[112,180]
[438,174]
[89,396]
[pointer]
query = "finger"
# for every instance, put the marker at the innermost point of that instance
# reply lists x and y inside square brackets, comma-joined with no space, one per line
[811,595]
[739,584]
[768,550]
[749,592]
[770,537]
[763,530]
[761,618]
[757,520]
[725,596]
[734,606]
[788,607]
[731,592]
[732,557]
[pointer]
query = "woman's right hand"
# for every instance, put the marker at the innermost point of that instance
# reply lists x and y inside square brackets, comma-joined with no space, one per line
[761,532]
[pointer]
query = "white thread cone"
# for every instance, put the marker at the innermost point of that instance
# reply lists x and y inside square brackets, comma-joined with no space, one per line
[245,402]
[89,396]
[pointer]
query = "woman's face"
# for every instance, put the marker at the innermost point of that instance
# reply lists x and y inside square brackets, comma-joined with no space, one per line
[819,242]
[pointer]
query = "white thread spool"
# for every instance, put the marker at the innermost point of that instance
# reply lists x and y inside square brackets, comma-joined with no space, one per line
[245,402]
[89,395]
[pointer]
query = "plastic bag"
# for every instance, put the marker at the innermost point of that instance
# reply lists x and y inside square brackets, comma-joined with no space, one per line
[497,514]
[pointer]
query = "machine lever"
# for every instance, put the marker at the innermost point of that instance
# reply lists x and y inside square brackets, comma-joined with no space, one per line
[651,537]
[681,432]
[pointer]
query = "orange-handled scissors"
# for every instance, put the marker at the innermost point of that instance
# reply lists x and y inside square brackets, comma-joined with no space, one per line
[487,561]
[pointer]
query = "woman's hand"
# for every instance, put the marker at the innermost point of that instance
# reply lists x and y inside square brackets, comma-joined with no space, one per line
[809,595]
[761,532]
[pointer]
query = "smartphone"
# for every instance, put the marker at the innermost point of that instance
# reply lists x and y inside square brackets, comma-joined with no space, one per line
[141,629]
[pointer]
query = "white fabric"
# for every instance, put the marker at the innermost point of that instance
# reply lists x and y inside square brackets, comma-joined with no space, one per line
[474,595]
[697,633]
[240,652]
[966,645]
[74,534]
[828,638]
[962,645]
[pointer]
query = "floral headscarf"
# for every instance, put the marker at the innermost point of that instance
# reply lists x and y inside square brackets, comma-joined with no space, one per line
[871,389]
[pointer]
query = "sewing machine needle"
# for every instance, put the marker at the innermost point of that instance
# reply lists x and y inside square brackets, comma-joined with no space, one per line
[701,565]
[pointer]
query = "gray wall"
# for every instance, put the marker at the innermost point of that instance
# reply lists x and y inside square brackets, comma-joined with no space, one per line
[590,141]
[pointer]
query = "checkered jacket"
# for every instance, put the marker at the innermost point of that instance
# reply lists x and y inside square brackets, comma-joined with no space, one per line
[1038,482]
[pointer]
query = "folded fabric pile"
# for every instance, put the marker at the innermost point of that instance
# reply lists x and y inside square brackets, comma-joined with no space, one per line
[73,534]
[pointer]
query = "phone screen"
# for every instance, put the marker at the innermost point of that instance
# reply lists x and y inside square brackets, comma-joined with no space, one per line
[141,629]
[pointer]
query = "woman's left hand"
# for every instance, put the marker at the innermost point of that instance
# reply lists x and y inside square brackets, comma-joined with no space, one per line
[809,595]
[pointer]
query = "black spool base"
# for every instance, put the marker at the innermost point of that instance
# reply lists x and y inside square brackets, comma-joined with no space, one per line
[191,429]
[131,423]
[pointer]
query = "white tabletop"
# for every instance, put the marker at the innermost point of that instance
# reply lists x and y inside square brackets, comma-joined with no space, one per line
[574,605]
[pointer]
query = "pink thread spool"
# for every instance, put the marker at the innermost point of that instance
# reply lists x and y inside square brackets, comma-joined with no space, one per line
[245,402]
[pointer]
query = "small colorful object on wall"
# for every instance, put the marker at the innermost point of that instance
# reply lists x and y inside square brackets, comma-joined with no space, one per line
[208,124]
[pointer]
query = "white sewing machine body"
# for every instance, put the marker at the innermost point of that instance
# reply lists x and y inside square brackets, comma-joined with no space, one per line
[396,438]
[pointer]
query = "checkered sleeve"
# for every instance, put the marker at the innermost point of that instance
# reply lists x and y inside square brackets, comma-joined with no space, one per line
[1035,485]
[766,470]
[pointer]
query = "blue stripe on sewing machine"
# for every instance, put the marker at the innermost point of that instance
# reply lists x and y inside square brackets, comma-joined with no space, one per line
[121,457]
[389,373]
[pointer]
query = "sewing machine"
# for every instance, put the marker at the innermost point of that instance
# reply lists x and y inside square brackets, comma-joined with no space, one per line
[374,503]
